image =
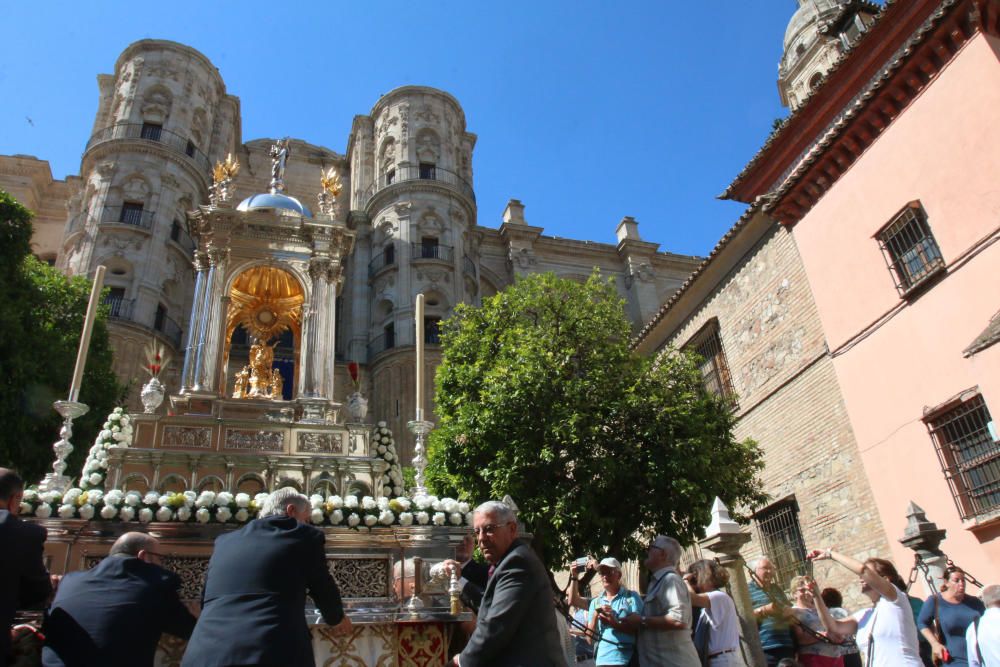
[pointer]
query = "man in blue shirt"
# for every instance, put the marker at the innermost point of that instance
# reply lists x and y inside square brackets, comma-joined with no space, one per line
[615,645]
[775,634]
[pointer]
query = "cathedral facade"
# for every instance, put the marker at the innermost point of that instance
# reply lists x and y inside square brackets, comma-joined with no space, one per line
[165,118]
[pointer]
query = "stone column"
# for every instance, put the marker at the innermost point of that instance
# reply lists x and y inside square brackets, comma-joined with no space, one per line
[208,350]
[724,538]
[195,322]
[312,364]
[924,538]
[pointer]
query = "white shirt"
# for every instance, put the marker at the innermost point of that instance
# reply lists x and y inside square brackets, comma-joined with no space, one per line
[987,637]
[721,614]
[890,632]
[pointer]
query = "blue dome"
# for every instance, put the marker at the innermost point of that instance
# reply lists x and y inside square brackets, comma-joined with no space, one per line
[266,201]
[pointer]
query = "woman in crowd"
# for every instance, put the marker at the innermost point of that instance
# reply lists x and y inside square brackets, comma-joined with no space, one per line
[954,611]
[705,578]
[815,649]
[886,634]
[834,601]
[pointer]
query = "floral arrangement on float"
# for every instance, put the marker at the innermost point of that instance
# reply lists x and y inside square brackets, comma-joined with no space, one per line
[384,446]
[115,432]
[224,507]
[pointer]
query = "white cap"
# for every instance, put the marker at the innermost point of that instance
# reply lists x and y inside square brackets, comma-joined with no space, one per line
[610,562]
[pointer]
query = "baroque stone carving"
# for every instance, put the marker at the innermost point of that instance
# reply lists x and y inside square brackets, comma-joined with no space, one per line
[187,436]
[249,439]
[321,443]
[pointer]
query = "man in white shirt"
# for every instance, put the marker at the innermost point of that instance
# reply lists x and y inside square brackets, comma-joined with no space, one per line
[983,637]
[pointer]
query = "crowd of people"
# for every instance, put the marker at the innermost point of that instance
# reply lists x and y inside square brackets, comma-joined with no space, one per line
[254,597]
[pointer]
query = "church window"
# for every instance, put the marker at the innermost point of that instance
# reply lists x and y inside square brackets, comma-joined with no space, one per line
[965,438]
[780,537]
[432,330]
[909,248]
[429,247]
[815,81]
[131,213]
[427,171]
[714,368]
[151,131]
[160,318]
[190,148]
[389,254]
[389,334]
[390,176]
[175,231]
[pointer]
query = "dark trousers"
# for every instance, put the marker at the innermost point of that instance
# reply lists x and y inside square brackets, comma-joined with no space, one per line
[774,655]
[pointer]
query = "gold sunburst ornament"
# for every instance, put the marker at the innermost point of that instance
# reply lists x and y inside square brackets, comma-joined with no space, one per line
[330,180]
[225,170]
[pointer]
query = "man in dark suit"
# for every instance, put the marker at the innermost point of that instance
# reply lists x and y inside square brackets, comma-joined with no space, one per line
[516,626]
[472,575]
[114,613]
[253,609]
[23,579]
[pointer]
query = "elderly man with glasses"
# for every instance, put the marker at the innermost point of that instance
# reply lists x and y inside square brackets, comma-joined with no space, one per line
[665,623]
[115,613]
[516,623]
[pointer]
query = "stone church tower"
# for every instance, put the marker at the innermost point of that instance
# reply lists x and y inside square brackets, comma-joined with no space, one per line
[816,37]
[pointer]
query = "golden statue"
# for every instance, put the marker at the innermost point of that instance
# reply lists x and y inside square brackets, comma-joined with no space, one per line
[330,180]
[225,170]
[240,386]
[258,379]
[277,384]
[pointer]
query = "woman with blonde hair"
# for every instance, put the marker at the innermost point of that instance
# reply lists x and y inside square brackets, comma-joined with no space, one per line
[814,649]
[705,579]
[886,633]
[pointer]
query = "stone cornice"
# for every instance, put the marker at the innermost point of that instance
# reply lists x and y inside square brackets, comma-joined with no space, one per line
[382,199]
[115,146]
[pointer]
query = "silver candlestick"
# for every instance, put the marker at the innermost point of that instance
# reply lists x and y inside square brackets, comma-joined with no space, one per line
[57,481]
[420,429]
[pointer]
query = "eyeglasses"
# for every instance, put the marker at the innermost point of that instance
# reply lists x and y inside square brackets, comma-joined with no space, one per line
[488,529]
[157,554]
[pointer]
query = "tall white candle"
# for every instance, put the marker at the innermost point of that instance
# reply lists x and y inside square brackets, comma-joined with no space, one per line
[88,328]
[420,357]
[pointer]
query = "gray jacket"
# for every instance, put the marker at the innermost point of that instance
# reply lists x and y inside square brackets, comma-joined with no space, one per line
[516,626]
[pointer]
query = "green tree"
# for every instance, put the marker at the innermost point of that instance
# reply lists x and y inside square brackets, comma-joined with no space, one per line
[539,396]
[41,317]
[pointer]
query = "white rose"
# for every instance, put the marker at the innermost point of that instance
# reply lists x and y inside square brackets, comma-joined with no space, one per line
[113,497]
[336,502]
[125,420]
[316,516]
[126,514]
[223,514]
[150,498]
[184,513]
[336,517]
[109,512]
[398,490]
[66,511]
[381,424]
[463,508]
[438,505]
[25,508]
[389,456]
[106,425]
[94,496]
[95,478]
[189,498]
[469,518]
[405,519]
[450,505]
[423,518]
[43,511]
[439,518]
[164,514]
[316,501]
[105,435]
[351,502]
[146,515]
[50,496]
[224,498]
[370,520]
[30,495]
[116,428]
[132,499]
[205,499]
[455,518]
[242,500]
[383,503]
[404,503]
[386,518]
[381,449]
[118,437]
[163,500]
[203,515]
[118,410]
[242,515]
[353,520]
[260,498]
[72,495]
[368,503]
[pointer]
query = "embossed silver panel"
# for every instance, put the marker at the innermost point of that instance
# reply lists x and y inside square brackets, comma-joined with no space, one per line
[321,443]
[361,577]
[187,436]
[254,440]
[191,570]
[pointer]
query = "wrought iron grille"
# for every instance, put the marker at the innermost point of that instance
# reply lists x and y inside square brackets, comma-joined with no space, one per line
[910,249]
[714,368]
[969,455]
[780,538]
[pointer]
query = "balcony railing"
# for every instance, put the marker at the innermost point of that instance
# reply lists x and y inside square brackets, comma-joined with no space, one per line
[469,266]
[415,172]
[427,251]
[170,329]
[380,344]
[154,134]
[381,260]
[119,308]
[181,238]
[125,215]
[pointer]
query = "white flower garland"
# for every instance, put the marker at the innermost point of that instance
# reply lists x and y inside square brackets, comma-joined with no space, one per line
[116,432]
[384,447]
[224,507]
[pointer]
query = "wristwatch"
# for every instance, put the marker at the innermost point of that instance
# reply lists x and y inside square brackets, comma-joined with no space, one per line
[642,623]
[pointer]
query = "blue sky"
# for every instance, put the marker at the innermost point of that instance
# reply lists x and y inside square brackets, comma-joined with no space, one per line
[585,111]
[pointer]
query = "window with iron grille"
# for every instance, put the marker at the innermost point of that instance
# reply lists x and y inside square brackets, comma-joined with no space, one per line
[966,443]
[781,541]
[151,131]
[131,213]
[909,248]
[427,171]
[714,369]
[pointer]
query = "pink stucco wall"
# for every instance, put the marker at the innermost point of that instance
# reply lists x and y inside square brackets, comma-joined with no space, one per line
[944,150]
